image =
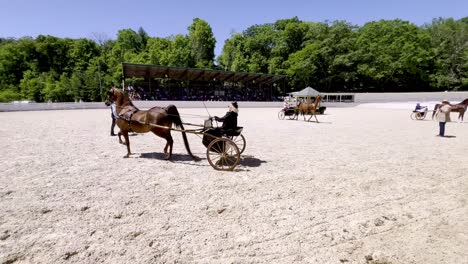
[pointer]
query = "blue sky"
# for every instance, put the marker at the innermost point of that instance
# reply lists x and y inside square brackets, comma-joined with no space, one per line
[86,18]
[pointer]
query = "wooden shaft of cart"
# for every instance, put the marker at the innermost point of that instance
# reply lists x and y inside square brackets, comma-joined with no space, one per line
[197,131]
[169,128]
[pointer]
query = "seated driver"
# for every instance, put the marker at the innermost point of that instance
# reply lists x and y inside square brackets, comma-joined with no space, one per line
[230,118]
[286,104]
[420,108]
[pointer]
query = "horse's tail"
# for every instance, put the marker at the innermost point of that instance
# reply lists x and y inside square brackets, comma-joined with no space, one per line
[435,110]
[174,116]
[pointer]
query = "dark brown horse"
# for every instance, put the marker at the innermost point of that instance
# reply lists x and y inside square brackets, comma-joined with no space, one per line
[459,108]
[133,119]
[306,108]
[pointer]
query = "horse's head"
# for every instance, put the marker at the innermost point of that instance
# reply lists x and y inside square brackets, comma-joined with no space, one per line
[113,95]
[464,102]
[318,99]
[110,98]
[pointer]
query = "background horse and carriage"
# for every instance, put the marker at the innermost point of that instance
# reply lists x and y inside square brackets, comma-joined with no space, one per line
[305,102]
[420,112]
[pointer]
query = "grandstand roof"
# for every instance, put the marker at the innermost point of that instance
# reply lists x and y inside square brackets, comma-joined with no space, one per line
[193,74]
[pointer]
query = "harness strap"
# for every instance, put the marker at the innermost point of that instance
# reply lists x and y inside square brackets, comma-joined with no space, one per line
[130,118]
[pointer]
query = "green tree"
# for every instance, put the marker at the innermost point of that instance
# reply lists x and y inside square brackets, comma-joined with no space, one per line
[449,41]
[232,57]
[303,67]
[157,48]
[171,51]
[202,43]
[31,86]
[81,52]
[249,51]
[15,58]
[52,54]
[337,49]
[393,55]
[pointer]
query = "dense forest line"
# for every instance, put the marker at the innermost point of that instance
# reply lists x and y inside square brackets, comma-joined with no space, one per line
[385,55]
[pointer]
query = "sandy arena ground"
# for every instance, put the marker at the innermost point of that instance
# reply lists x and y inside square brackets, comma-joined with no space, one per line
[362,186]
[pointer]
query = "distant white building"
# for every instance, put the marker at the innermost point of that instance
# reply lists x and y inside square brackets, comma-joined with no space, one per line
[310,93]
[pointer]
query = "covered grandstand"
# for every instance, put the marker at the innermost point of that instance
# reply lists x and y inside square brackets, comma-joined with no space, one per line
[154,82]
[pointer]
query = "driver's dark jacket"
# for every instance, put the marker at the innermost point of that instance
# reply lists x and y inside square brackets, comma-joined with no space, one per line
[229,120]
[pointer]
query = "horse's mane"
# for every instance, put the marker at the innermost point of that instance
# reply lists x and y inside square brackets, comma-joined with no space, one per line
[126,98]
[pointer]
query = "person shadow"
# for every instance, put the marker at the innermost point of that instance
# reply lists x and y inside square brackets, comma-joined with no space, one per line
[449,136]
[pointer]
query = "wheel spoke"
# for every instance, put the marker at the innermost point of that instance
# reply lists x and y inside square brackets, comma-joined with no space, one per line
[216,147]
[216,158]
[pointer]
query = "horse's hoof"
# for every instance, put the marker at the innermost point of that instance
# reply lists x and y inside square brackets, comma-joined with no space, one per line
[195,158]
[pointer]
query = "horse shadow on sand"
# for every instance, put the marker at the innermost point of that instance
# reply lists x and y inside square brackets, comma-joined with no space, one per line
[161,156]
[301,118]
[251,161]
[176,158]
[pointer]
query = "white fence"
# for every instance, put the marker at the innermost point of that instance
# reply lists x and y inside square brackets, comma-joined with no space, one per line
[359,98]
[453,97]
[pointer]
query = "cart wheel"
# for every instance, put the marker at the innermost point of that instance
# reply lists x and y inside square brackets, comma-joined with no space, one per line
[239,141]
[418,116]
[281,115]
[421,116]
[223,154]
[293,116]
[413,116]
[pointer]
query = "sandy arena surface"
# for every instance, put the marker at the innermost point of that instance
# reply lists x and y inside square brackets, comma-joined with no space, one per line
[362,186]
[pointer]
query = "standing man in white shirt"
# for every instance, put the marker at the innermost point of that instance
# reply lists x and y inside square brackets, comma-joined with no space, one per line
[114,115]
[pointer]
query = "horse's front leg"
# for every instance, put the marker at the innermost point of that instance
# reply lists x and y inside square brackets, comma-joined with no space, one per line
[127,142]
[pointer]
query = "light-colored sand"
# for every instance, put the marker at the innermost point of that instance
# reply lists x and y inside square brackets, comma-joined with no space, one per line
[363,182]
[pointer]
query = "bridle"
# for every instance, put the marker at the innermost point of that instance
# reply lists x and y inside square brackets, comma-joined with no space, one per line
[110,98]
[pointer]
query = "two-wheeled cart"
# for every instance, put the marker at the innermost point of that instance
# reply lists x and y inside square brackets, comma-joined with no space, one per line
[290,112]
[223,147]
[419,114]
